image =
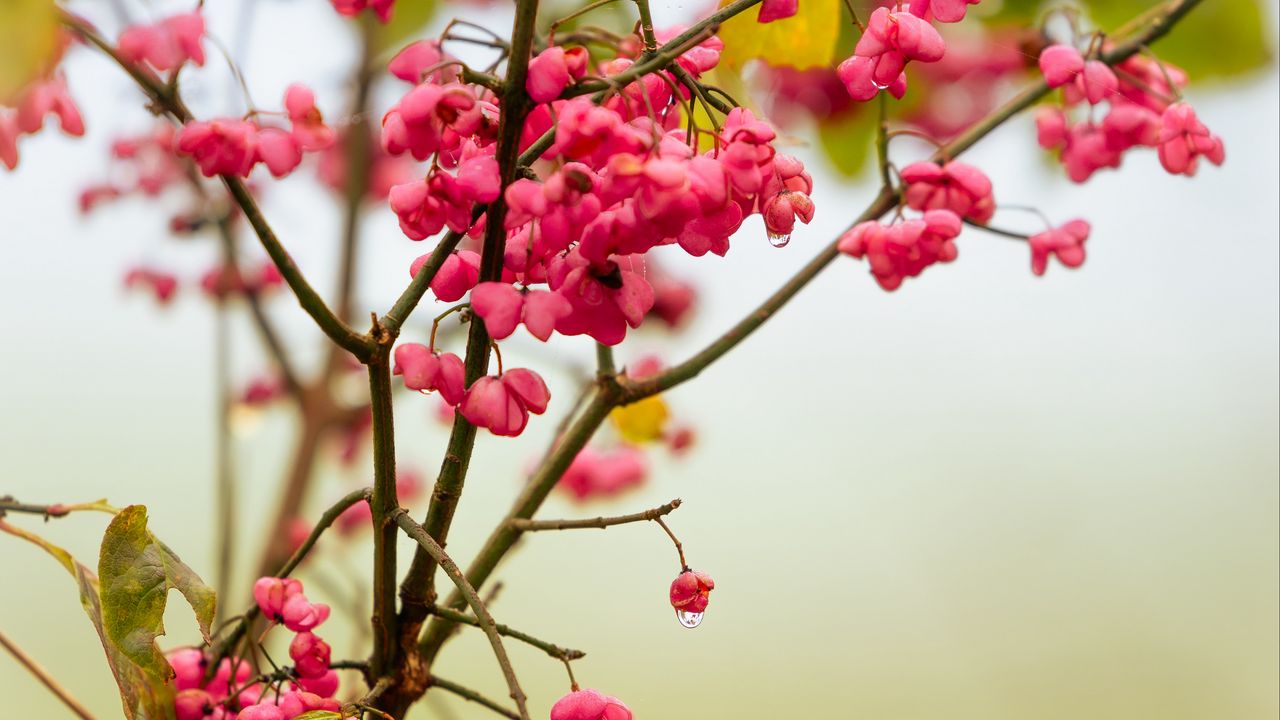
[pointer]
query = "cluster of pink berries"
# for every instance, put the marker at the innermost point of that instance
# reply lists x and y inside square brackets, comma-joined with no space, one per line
[234,693]
[165,45]
[1143,111]
[501,403]
[626,180]
[230,146]
[893,38]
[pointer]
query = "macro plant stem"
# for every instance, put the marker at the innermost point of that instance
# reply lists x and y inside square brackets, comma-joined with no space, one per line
[38,671]
[601,523]
[551,649]
[384,503]
[646,27]
[417,591]
[467,693]
[468,592]
[601,400]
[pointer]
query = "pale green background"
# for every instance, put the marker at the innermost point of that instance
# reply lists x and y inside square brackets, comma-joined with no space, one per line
[987,495]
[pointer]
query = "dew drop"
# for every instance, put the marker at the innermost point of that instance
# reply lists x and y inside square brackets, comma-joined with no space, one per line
[779,241]
[879,86]
[427,391]
[689,619]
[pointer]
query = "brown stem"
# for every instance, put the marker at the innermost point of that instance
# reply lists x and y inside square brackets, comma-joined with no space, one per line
[601,523]
[468,694]
[468,592]
[45,678]
[417,591]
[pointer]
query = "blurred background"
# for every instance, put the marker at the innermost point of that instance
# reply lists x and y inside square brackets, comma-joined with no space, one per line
[986,495]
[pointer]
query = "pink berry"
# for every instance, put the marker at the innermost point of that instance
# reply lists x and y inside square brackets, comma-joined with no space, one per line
[1060,64]
[691,591]
[589,705]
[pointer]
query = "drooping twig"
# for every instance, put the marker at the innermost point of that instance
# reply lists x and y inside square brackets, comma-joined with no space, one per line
[45,678]
[599,522]
[551,649]
[483,618]
[475,697]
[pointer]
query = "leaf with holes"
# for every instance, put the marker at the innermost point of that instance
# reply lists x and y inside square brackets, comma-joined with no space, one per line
[137,571]
[141,698]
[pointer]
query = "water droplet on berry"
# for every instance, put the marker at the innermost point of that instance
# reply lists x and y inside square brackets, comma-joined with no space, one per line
[879,86]
[427,391]
[689,619]
[779,241]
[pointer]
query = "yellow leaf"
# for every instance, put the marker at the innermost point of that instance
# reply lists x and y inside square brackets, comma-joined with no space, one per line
[29,43]
[804,40]
[642,421]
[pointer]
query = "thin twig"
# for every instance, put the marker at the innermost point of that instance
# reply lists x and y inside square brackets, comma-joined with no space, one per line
[45,678]
[599,522]
[483,618]
[475,697]
[555,651]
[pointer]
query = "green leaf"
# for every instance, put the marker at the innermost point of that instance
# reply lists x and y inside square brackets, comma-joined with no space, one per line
[407,20]
[319,715]
[848,139]
[29,43]
[805,40]
[141,698]
[1222,38]
[137,571]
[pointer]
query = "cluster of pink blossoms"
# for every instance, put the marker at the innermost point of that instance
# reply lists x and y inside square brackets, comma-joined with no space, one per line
[621,178]
[892,39]
[1143,111]
[234,693]
[165,45]
[233,147]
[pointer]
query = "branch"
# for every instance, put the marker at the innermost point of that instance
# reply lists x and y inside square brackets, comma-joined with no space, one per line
[603,398]
[56,510]
[384,503]
[469,694]
[167,101]
[553,650]
[483,618]
[45,678]
[600,522]
[417,590]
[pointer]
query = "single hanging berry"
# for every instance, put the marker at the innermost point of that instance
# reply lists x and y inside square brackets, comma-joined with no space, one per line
[690,593]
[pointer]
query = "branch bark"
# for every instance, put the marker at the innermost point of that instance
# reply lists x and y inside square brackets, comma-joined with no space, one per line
[468,592]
